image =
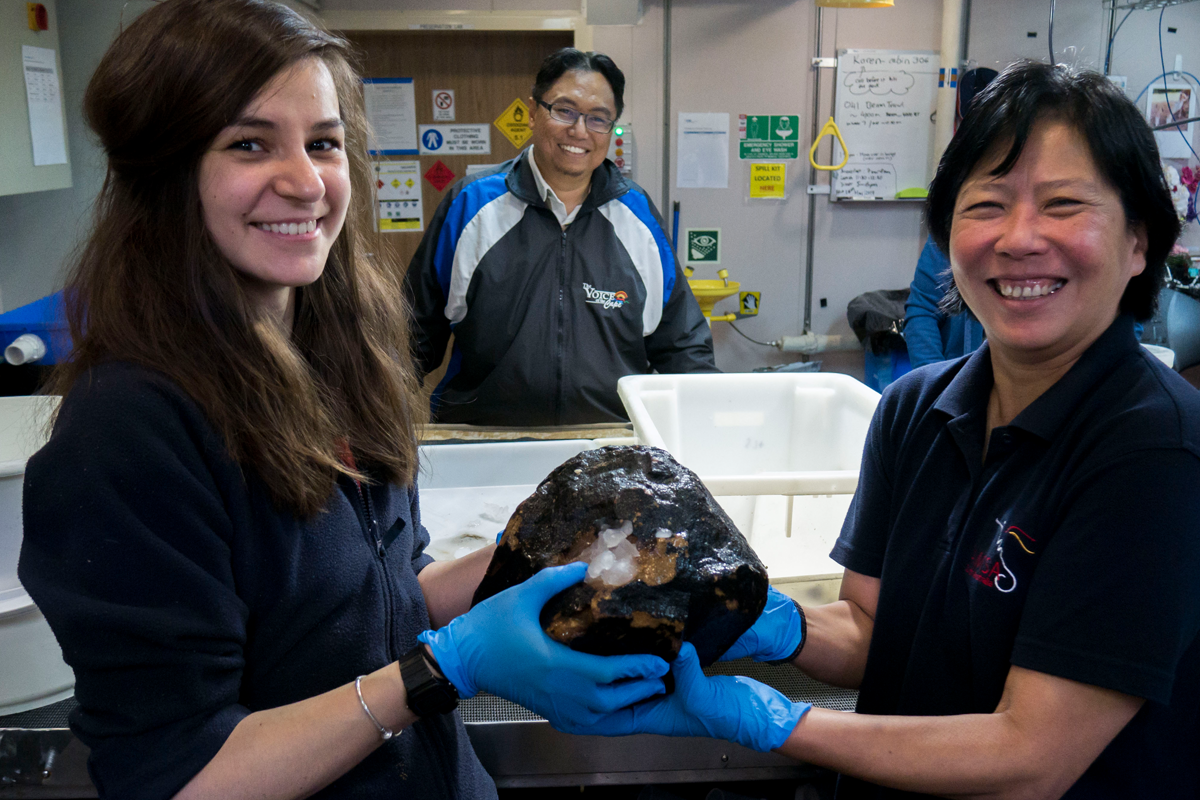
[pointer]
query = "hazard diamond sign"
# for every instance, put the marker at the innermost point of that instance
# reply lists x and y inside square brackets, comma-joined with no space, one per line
[439,175]
[514,123]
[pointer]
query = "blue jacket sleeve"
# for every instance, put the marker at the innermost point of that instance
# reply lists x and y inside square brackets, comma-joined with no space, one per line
[922,331]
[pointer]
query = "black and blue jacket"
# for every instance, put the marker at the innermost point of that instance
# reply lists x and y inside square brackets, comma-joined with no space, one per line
[545,320]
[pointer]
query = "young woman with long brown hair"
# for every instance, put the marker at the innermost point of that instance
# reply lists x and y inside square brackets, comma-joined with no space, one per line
[223,530]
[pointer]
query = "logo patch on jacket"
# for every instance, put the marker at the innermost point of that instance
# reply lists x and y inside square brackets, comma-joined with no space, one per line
[606,299]
[1012,548]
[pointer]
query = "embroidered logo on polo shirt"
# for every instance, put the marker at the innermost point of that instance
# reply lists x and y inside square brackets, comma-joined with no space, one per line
[605,299]
[990,567]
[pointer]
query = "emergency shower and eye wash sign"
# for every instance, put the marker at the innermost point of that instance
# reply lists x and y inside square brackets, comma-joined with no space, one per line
[455,140]
[766,136]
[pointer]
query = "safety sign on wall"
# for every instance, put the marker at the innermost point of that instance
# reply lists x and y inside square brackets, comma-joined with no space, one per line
[514,123]
[767,180]
[768,136]
[443,105]
[398,187]
[748,303]
[702,245]
[439,175]
[455,140]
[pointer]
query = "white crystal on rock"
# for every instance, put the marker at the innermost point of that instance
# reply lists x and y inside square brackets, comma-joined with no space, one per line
[612,558]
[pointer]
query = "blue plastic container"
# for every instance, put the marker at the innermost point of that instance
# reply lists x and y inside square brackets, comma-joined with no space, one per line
[882,370]
[46,319]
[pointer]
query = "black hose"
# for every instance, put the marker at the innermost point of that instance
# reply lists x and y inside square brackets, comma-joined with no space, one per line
[1113,38]
[744,336]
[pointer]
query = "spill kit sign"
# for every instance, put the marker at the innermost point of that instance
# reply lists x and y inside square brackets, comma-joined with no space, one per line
[702,245]
[767,180]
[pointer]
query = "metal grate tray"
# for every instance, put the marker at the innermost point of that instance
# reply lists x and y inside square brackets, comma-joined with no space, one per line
[793,683]
[51,717]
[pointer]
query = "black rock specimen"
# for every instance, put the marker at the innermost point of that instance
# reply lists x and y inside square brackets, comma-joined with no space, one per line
[666,563]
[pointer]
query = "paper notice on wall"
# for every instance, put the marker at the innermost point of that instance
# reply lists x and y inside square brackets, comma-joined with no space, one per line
[703,147]
[45,106]
[398,186]
[392,112]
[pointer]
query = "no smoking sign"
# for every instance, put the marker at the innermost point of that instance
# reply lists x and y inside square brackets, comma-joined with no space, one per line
[443,105]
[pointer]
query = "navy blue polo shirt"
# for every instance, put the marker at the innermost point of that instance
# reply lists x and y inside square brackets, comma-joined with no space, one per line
[1072,550]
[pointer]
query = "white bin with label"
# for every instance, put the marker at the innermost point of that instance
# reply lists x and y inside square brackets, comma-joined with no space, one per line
[780,451]
[32,671]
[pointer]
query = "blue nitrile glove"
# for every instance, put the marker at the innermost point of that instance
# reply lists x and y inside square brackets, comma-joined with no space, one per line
[499,647]
[774,636]
[739,709]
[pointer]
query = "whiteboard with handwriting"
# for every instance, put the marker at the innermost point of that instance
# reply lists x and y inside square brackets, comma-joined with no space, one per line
[885,101]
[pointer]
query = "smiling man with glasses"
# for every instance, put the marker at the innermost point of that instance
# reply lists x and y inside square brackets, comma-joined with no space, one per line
[552,271]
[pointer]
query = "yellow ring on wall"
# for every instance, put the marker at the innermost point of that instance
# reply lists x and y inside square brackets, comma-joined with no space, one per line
[831,128]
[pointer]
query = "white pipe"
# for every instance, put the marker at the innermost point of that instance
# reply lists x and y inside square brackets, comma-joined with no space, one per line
[817,343]
[948,92]
[25,349]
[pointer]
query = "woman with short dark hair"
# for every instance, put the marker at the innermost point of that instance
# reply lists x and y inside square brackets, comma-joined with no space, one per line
[223,530]
[1018,611]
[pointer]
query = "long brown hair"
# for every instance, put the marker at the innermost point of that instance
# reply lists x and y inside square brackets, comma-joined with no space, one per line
[151,287]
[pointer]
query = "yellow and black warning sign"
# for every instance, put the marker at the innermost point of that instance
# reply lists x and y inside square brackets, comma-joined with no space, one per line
[514,123]
[748,303]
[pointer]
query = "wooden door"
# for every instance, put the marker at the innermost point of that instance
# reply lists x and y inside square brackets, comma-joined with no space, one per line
[487,71]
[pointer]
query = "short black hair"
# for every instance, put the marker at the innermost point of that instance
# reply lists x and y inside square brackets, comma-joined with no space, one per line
[569,59]
[1121,144]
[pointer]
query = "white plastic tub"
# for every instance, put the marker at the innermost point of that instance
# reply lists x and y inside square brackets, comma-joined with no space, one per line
[752,434]
[1163,354]
[32,672]
[468,491]
[780,452]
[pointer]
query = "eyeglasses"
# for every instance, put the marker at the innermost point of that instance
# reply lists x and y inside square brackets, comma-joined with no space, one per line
[568,116]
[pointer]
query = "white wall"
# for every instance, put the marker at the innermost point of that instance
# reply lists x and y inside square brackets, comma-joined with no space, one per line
[753,58]
[42,228]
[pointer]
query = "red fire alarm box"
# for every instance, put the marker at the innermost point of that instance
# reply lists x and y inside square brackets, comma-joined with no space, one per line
[39,20]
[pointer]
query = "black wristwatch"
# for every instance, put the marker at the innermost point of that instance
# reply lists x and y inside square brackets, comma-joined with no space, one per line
[428,694]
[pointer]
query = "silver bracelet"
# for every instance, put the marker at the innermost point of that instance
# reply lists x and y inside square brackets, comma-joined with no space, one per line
[384,733]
